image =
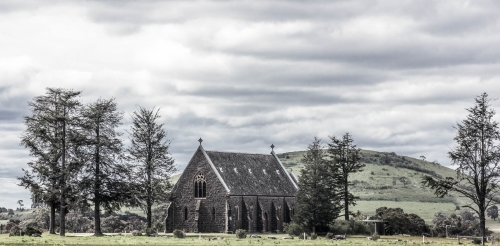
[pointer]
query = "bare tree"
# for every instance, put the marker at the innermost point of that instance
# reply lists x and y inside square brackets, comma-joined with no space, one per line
[21,205]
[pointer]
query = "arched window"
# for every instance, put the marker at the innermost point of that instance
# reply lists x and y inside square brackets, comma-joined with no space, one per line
[185,213]
[200,186]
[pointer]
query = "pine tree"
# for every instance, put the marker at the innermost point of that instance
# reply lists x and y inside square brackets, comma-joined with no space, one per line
[149,153]
[317,197]
[104,176]
[477,157]
[50,137]
[345,159]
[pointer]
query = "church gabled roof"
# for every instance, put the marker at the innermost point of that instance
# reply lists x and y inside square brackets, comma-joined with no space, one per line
[252,174]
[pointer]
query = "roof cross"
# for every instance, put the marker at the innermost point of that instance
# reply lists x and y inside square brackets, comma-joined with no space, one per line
[272,146]
[200,140]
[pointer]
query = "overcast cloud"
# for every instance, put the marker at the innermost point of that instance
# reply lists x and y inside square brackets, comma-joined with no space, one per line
[242,75]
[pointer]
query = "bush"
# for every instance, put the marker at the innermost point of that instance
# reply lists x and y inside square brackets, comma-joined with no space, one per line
[16,231]
[293,229]
[476,241]
[150,231]
[375,236]
[241,233]
[179,234]
[136,233]
[352,226]
[314,236]
[30,231]
[329,235]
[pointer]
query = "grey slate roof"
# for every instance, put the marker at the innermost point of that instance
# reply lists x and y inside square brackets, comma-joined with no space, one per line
[252,174]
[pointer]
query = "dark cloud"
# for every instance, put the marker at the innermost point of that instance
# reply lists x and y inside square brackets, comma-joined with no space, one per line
[10,115]
[10,173]
[243,75]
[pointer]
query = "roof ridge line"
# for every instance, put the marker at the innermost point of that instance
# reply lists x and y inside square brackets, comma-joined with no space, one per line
[232,152]
[214,168]
[284,169]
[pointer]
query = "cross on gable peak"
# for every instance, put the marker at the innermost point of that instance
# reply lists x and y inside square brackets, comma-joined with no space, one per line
[272,146]
[200,140]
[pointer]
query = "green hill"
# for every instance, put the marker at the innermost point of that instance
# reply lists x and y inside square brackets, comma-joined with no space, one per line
[380,183]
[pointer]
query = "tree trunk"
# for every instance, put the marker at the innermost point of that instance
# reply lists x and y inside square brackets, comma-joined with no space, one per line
[150,189]
[52,222]
[482,226]
[97,219]
[97,194]
[62,226]
[148,212]
[346,199]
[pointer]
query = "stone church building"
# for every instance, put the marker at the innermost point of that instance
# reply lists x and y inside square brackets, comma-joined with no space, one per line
[224,191]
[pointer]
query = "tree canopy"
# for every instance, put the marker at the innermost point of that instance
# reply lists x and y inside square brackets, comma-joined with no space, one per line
[51,138]
[104,175]
[152,164]
[476,157]
[317,197]
[345,159]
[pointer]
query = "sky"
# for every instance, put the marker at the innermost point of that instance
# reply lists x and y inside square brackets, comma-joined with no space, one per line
[242,75]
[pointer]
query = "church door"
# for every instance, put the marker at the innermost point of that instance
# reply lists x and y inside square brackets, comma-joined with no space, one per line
[264,221]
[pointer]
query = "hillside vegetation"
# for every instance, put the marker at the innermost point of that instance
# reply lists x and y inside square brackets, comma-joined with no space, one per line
[393,181]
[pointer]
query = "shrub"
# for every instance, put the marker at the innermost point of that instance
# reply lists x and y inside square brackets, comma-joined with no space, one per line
[30,231]
[16,231]
[136,233]
[150,231]
[241,233]
[9,226]
[293,229]
[314,236]
[329,235]
[350,227]
[375,236]
[178,234]
[30,227]
[476,241]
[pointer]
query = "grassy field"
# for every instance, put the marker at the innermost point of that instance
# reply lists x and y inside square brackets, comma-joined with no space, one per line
[425,210]
[380,184]
[207,239]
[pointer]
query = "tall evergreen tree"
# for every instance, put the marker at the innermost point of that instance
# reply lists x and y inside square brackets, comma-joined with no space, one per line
[105,175]
[317,197]
[50,137]
[477,157]
[149,152]
[345,159]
